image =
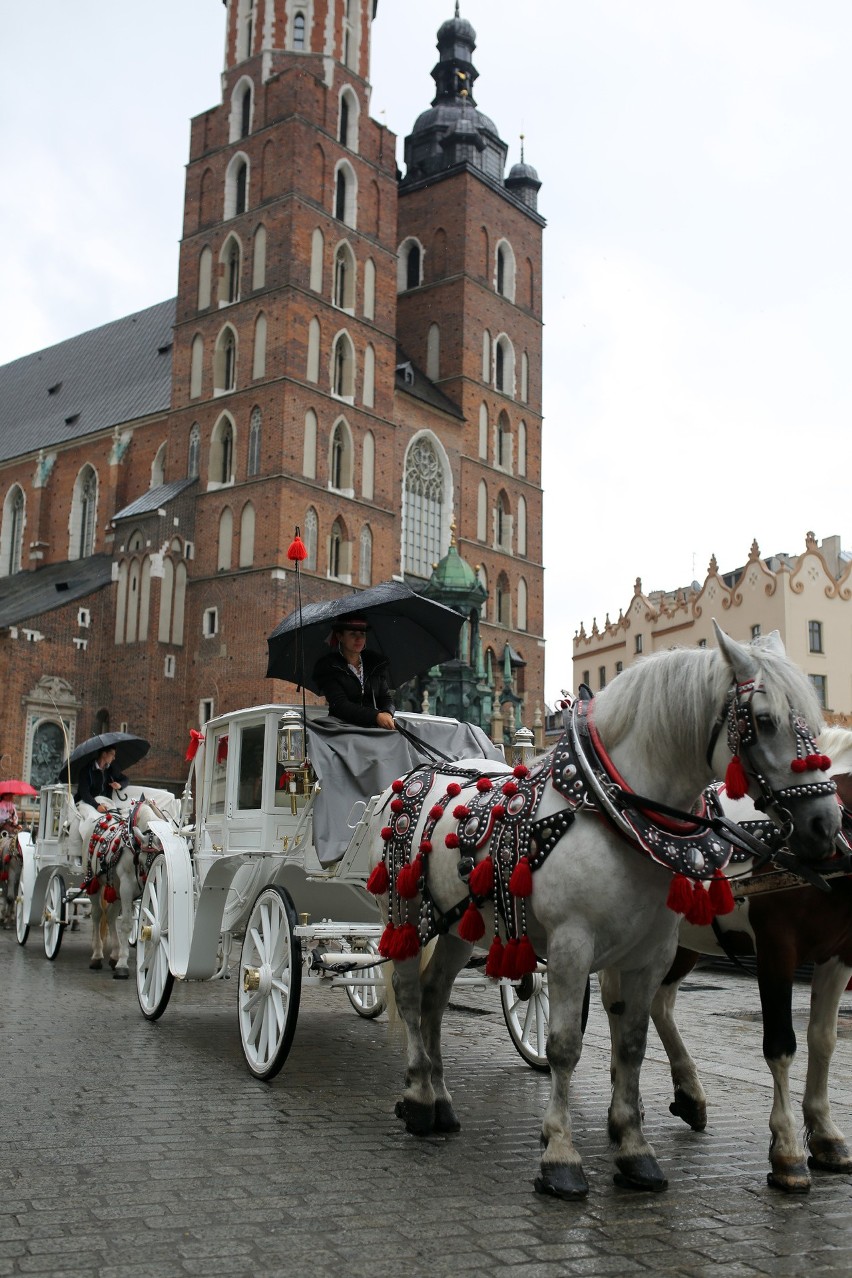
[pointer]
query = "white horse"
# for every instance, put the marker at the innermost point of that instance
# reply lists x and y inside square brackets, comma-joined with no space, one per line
[784,929]
[670,724]
[117,861]
[11,863]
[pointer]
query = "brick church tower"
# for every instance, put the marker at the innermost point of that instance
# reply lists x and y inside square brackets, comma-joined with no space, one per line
[353,351]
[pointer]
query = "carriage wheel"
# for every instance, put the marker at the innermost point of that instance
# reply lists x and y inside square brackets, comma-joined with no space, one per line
[134,923]
[371,1000]
[154,978]
[526,1010]
[22,927]
[54,915]
[270,983]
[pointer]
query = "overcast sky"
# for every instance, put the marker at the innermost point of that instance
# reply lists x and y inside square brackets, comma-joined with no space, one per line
[694,157]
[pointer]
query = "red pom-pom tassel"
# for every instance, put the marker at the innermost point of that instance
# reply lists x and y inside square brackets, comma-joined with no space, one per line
[386,942]
[799,765]
[397,805]
[736,781]
[110,894]
[494,962]
[526,960]
[520,770]
[453,789]
[460,811]
[406,943]
[297,550]
[510,961]
[520,883]
[721,896]
[93,885]
[379,881]
[700,912]
[680,894]
[425,846]
[436,812]
[471,926]
[408,878]
[452,840]
[387,832]
[396,786]
[484,784]
[482,877]
[510,788]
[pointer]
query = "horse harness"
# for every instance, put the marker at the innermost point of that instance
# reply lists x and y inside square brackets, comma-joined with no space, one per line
[112,836]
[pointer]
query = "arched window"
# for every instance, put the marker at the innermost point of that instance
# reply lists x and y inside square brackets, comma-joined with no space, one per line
[226,539]
[347,130]
[504,366]
[236,186]
[221,469]
[338,552]
[311,539]
[231,259]
[205,278]
[365,557]
[482,511]
[312,370]
[340,457]
[309,452]
[225,362]
[483,430]
[196,366]
[172,595]
[258,363]
[368,466]
[241,192]
[194,454]
[503,523]
[84,505]
[503,601]
[409,265]
[12,537]
[369,289]
[486,356]
[317,248]
[167,586]
[158,467]
[345,193]
[299,31]
[521,618]
[503,442]
[482,578]
[254,442]
[522,526]
[344,278]
[245,112]
[504,272]
[343,123]
[343,367]
[369,376]
[247,526]
[258,259]
[433,353]
[525,377]
[349,42]
[522,448]
[423,507]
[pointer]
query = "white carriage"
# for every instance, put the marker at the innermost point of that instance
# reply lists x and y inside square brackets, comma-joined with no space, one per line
[246,888]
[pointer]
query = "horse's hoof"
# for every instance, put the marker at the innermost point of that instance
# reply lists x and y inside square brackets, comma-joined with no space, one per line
[121,974]
[446,1119]
[562,1180]
[830,1156]
[693,1112]
[418,1117]
[96,965]
[113,963]
[640,1172]
[790,1180]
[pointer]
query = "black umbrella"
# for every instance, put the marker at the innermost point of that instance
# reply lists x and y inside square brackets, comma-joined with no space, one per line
[414,633]
[128,750]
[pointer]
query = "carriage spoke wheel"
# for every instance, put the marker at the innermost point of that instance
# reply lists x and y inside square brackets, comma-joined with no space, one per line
[22,927]
[526,1010]
[154,978]
[54,915]
[369,999]
[270,984]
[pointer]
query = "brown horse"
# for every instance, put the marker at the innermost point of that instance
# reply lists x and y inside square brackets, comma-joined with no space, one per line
[782,929]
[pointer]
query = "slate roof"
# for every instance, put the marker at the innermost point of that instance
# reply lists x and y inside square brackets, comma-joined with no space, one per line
[29,594]
[413,381]
[100,379]
[154,498]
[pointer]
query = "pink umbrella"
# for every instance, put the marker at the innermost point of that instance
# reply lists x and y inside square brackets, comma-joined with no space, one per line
[16,787]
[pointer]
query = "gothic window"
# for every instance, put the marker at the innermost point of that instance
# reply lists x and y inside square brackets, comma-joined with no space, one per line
[83,514]
[258,363]
[172,595]
[196,366]
[317,247]
[226,539]
[205,277]
[369,289]
[254,443]
[483,430]
[365,557]
[343,367]
[343,130]
[503,535]
[504,365]
[412,267]
[522,526]
[258,260]
[521,618]
[245,112]
[369,376]
[503,451]
[503,601]
[423,508]
[482,511]
[504,274]
[525,377]
[311,539]
[486,356]
[340,457]
[522,448]
[12,536]
[335,550]
[299,31]
[312,369]
[344,278]
[231,270]
[225,362]
[482,578]
[221,469]
[236,186]
[193,457]
[247,526]
[368,466]
[344,193]
[309,451]
[241,188]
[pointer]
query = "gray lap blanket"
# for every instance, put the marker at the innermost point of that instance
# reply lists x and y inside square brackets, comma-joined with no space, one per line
[355,763]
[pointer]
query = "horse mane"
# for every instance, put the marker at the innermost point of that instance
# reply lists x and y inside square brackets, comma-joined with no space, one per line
[679,693]
[836,742]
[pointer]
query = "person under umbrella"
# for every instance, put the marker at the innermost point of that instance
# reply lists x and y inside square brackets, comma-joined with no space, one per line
[97,784]
[8,811]
[353,679]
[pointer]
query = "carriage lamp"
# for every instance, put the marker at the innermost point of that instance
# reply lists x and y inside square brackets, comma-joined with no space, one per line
[523,744]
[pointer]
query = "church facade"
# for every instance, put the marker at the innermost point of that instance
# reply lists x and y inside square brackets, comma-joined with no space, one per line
[353,351]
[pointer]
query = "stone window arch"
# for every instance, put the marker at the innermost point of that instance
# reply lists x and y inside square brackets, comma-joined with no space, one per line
[309,451]
[172,595]
[486,355]
[317,251]
[258,363]
[521,530]
[311,538]
[220,471]
[258,258]
[230,271]
[365,557]
[226,540]
[343,367]
[340,458]
[483,430]
[84,514]
[298,39]
[193,460]
[369,395]
[504,270]
[254,442]
[482,511]
[237,186]
[427,501]
[369,289]
[225,362]
[345,193]
[368,466]
[409,267]
[12,535]
[482,578]
[348,119]
[343,295]
[503,522]
[504,366]
[522,448]
[503,601]
[247,527]
[503,442]
[196,366]
[339,552]
[313,360]
[242,110]
[158,467]
[205,277]
[525,377]
[521,611]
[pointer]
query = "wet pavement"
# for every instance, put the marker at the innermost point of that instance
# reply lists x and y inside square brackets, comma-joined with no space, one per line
[133,1149]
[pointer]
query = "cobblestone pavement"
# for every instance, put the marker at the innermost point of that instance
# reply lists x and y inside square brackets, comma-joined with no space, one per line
[139,1150]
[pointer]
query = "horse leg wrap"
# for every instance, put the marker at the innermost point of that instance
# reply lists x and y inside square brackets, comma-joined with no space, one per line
[693,1112]
[446,1119]
[829,1155]
[562,1180]
[642,1172]
[419,1118]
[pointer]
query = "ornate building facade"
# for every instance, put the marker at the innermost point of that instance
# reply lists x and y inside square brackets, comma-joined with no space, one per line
[352,351]
[807,598]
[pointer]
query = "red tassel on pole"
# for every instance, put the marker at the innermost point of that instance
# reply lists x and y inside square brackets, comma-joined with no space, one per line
[471,926]
[297,550]
[721,896]
[195,739]
[736,781]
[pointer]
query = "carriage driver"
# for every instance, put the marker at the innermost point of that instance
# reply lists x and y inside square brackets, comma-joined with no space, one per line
[96,786]
[353,679]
